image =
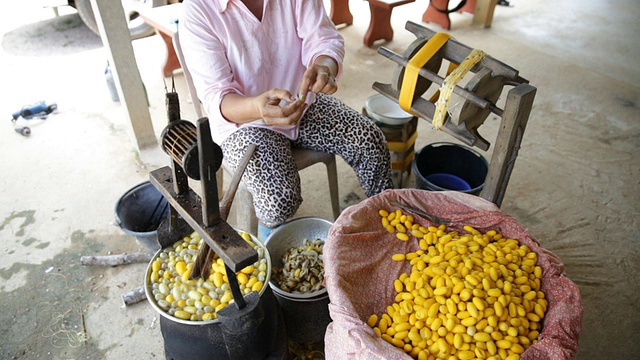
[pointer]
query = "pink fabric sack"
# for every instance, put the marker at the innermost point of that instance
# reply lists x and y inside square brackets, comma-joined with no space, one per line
[359,273]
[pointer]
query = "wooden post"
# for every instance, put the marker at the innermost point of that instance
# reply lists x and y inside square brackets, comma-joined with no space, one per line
[117,40]
[483,14]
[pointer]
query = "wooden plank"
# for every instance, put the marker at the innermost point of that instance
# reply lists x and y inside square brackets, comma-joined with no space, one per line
[457,52]
[221,237]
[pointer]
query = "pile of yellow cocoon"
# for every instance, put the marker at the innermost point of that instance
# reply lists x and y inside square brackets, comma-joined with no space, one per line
[468,296]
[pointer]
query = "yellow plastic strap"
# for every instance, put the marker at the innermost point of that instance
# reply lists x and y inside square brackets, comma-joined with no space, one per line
[450,82]
[402,165]
[412,70]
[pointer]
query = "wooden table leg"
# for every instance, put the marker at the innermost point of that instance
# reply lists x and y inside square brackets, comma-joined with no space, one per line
[380,24]
[340,13]
[432,15]
[171,62]
[469,7]
[483,14]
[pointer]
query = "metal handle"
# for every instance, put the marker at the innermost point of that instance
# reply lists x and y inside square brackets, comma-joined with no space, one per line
[434,219]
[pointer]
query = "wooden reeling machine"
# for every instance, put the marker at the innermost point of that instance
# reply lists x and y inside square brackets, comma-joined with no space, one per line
[418,69]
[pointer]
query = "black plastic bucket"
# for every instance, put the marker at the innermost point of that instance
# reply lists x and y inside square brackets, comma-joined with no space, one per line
[306,319]
[140,211]
[450,167]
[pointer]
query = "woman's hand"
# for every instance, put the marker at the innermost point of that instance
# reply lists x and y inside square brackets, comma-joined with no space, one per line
[319,77]
[275,107]
[274,112]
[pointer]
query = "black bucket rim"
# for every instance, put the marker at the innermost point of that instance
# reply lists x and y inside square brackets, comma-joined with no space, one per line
[419,175]
[119,203]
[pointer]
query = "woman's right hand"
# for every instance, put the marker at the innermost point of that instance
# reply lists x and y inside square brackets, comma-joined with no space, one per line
[273,112]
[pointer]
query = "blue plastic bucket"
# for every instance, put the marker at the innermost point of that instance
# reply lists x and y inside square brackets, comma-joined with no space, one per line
[447,166]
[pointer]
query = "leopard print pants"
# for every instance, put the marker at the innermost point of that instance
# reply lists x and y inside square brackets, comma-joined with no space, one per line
[328,126]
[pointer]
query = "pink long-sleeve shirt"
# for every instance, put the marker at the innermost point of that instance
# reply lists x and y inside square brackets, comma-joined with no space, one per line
[228,50]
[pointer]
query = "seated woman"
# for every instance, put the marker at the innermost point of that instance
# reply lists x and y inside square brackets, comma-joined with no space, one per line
[265,71]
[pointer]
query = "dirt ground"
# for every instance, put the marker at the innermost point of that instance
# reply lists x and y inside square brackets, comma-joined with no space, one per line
[575,186]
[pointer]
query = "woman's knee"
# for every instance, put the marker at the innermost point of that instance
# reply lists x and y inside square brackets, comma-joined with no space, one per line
[277,201]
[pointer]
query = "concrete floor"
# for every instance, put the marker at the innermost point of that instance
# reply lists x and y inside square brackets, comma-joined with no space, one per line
[575,184]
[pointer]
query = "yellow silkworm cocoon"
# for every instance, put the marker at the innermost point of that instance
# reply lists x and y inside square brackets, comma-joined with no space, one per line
[373,320]
[181,267]
[402,236]
[398,257]
[398,285]
[180,314]
[391,216]
[482,336]
[466,355]
[440,291]
[470,321]
[242,278]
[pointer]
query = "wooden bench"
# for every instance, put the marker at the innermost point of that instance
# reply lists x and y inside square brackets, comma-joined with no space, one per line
[340,13]
[380,23]
[438,13]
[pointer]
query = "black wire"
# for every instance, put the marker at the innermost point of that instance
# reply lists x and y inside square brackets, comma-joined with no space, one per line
[447,11]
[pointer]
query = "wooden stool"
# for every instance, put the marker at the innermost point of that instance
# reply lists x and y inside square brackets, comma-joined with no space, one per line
[340,13]
[438,12]
[380,24]
[401,141]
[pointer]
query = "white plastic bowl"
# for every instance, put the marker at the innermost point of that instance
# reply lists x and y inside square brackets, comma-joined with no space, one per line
[386,111]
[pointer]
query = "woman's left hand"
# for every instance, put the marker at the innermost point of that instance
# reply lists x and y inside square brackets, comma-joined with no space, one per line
[320,77]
